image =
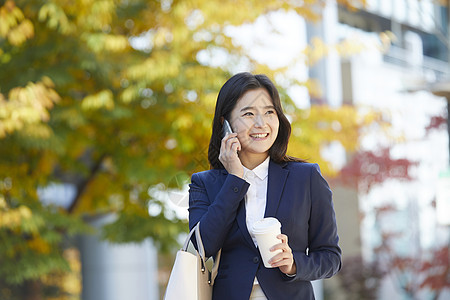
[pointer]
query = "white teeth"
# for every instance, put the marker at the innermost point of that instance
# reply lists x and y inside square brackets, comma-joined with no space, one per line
[260,135]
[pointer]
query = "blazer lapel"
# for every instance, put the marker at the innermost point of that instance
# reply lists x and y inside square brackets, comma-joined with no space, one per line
[241,217]
[275,186]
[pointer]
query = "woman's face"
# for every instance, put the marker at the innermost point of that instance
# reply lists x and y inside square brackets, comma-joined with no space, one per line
[255,120]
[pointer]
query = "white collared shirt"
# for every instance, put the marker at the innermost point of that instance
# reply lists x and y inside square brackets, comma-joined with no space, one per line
[256,197]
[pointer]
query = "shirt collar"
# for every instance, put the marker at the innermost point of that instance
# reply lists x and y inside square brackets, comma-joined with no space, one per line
[262,170]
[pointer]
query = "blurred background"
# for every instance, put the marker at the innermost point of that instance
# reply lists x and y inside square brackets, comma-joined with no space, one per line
[106,110]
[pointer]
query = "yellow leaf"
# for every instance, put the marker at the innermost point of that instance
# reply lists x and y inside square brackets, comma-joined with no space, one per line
[39,245]
[56,18]
[129,94]
[99,42]
[25,212]
[28,105]
[10,218]
[103,99]
[13,24]
[38,130]
[3,204]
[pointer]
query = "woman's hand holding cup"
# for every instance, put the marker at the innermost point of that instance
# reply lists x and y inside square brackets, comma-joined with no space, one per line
[284,260]
[267,232]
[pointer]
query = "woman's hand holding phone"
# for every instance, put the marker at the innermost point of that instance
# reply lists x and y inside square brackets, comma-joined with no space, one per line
[228,154]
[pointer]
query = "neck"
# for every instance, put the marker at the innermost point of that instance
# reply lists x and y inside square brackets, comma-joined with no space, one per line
[253,160]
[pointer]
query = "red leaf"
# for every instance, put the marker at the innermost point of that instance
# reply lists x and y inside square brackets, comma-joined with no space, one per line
[370,168]
[437,122]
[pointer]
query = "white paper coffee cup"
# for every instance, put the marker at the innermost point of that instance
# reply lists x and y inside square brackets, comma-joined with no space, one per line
[265,232]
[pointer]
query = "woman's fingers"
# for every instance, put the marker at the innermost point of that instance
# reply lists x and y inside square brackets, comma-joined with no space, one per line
[228,141]
[281,259]
[283,238]
[235,146]
[283,245]
[232,141]
[285,259]
[228,149]
[228,154]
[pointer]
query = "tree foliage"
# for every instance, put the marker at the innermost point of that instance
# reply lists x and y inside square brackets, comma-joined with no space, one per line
[413,272]
[360,280]
[110,97]
[369,168]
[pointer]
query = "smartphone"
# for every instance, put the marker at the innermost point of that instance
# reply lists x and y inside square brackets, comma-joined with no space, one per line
[226,128]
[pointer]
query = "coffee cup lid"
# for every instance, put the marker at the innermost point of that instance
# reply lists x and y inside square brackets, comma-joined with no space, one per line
[265,224]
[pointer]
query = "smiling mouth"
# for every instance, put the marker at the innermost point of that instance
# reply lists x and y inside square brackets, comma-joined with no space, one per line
[259,135]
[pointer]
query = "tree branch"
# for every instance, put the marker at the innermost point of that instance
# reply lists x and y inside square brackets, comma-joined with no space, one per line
[81,186]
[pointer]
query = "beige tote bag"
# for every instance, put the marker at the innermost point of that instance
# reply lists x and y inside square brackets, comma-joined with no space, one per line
[190,278]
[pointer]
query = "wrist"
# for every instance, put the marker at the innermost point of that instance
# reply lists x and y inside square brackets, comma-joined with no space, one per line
[238,173]
[293,270]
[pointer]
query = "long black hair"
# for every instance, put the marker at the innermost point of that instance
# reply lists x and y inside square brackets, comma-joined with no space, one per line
[228,96]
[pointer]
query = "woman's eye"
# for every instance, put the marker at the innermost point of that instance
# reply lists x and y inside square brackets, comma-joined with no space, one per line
[269,112]
[248,114]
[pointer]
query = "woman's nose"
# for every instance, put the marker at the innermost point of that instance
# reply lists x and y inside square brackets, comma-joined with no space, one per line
[259,121]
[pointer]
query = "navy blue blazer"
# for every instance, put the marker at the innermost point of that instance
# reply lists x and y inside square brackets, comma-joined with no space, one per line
[299,197]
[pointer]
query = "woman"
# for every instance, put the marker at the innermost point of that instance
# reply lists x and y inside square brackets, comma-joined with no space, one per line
[251,178]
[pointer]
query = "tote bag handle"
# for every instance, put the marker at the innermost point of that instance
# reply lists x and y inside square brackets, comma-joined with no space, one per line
[201,252]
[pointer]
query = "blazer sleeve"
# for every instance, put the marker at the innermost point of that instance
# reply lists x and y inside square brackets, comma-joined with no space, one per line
[323,258]
[216,215]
